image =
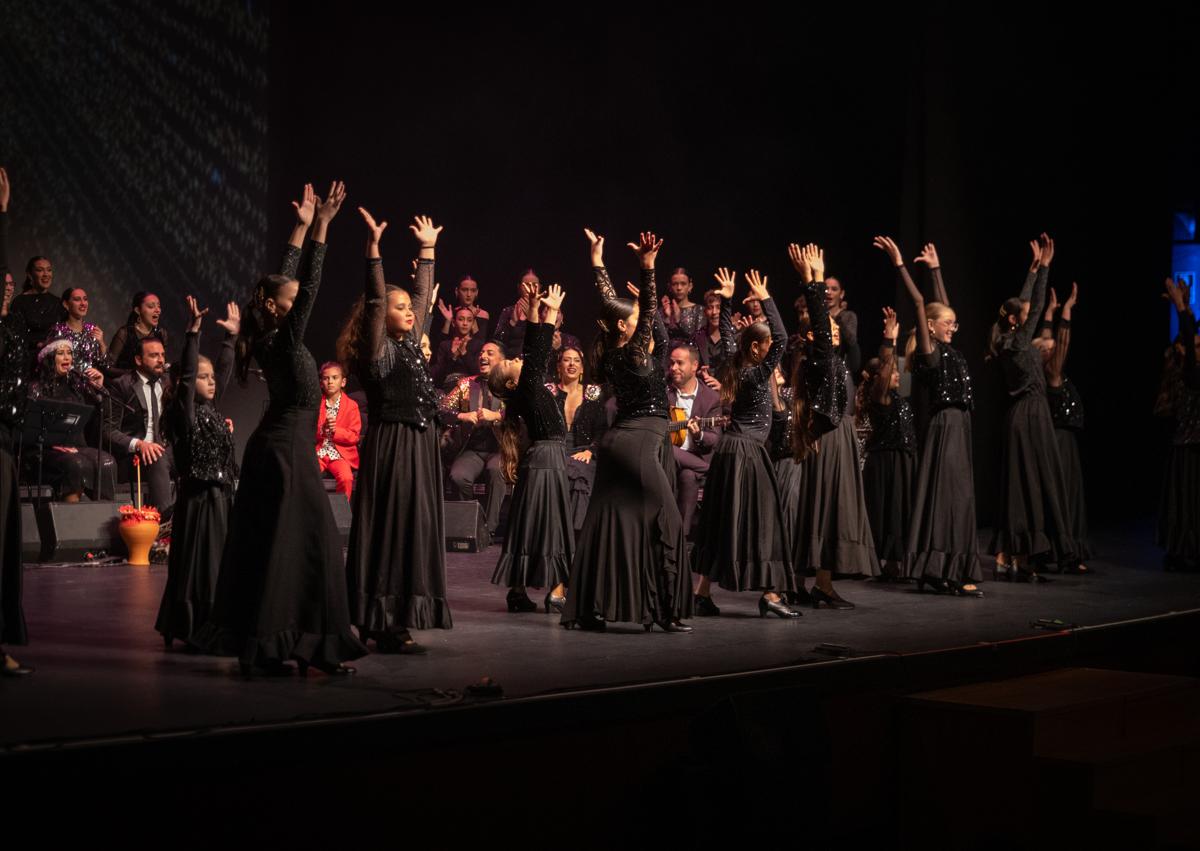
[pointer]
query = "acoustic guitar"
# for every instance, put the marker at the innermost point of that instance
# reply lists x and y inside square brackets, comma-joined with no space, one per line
[679,423]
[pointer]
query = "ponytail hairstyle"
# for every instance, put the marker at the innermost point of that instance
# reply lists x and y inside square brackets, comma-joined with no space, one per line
[29,285]
[256,321]
[350,338]
[508,436]
[1001,328]
[804,436]
[612,310]
[866,388]
[934,310]
[731,371]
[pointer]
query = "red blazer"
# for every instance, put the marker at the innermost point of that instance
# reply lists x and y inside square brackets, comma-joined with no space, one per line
[345,430]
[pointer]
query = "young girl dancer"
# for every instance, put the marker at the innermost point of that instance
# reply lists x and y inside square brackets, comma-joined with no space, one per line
[541,539]
[741,543]
[630,552]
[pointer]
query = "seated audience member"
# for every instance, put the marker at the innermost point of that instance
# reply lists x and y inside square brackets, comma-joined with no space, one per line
[339,426]
[86,338]
[38,308]
[142,322]
[583,411]
[137,429]
[510,327]
[683,317]
[467,295]
[458,352]
[472,450]
[707,340]
[685,390]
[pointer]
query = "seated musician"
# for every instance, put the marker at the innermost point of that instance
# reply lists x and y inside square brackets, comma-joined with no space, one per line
[691,400]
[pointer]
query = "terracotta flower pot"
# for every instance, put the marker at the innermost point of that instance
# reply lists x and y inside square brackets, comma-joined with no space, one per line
[139,536]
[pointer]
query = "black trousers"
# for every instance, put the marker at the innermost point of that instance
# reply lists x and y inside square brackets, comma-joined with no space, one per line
[468,468]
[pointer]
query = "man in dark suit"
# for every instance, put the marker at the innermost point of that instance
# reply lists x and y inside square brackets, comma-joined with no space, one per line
[138,431]
[469,412]
[698,400]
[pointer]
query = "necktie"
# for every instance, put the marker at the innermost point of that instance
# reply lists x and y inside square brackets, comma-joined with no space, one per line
[150,385]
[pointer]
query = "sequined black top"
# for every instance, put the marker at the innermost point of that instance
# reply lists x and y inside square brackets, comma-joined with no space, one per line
[779,441]
[945,378]
[87,352]
[14,387]
[637,379]
[396,375]
[691,320]
[287,365]
[590,420]
[201,441]
[750,413]
[891,425]
[1021,363]
[1066,405]
[824,370]
[531,401]
[40,311]
[64,388]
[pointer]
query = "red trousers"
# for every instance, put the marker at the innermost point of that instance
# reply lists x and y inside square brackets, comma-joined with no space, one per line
[343,473]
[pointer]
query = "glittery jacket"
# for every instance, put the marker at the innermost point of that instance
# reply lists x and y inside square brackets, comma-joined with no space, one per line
[824,370]
[14,366]
[691,320]
[750,413]
[199,436]
[1066,405]
[1020,361]
[944,376]
[891,425]
[530,400]
[637,379]
[87,354]
[395,372]
[779,441]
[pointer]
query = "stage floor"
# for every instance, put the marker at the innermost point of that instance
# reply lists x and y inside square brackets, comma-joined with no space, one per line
[103,673]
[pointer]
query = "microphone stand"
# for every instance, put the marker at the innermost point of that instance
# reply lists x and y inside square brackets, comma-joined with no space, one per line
[106,398]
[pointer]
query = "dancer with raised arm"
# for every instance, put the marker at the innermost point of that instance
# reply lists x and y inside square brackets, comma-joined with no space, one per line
[1178,528]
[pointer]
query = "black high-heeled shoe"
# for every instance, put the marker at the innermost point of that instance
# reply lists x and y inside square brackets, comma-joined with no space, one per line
[587,624]
[667,626]
[17,669]
[399,643]
[1031,576]
[338,670]
[822,600]
[960,590]
[934,584]
[1002,572]
[799,597]
[518,601]
[777,607]
[705,607]
[552,602]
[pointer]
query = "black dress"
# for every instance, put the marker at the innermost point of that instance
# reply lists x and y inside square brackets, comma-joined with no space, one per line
[396,565]
[1066,411]
[14,366]
[631,550]
[888,475]
[541,538]
[587,428]
[1179,511]
[282,592]
[1033,519]
[742,539]
[203,450]
[827,506]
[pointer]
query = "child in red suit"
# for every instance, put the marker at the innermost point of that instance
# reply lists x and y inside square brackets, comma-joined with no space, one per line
[338,427]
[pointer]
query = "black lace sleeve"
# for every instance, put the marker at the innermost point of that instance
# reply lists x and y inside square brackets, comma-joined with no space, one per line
[291,334]
[374,307]
[420,293]
[648,310]
[185,393]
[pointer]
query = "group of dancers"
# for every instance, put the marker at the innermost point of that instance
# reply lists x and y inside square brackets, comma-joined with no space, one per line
[260,574]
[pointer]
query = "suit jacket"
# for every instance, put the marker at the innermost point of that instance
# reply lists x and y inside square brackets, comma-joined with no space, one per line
[707,404]
[467,396]
[347,428]
[123,426]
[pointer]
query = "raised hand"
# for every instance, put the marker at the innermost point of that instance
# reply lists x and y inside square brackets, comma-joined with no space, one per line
[647,248]
[1073,297]
[891,327]
[1036,248]
[5,189]
[726,278]
[446,312]
[740,322]
[1177,293]
[327,209]
[195,315]
[928,256]
[889,247]
[597,242]
[424,231]
[815,256]
[634,290]
[1051,303]
[374,231]
[758,287]
[432,295]
[553,297]
[670,310]
[232,323]
[1047,249]
[97,333]
[800,262]
[529,294]
[306,207]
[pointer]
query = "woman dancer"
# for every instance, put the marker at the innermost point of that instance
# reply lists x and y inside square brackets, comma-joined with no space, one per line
[891,453]
[1033,521]
[87,339]
[831,530]
[1066,410]
[396,565]
[582,406]
[144,314]
[1178,532]
[943,552]
[281,593]
[541,539]
[203,443]
[629,555]
[742,539]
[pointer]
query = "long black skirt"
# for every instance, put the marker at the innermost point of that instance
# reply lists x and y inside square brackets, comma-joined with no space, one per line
[888,488]
[1033,519]
[540,542]
[942,538]
[396,566]
[1179,511]
[281,592]
[198,530]
[828,511]
[1068,453]
[742,542]
[581,476]
[12,617]
[630,552]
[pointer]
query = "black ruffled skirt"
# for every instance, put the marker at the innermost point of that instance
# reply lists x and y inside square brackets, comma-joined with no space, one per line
[942,538]
[826,508]
[630,554]
[1179,512]
[540,542]
[396,565]
[742,542]
[12,617]
[1068,454]
[888,489]
[580,479]
[198,530]
[281,592]
[1034,520]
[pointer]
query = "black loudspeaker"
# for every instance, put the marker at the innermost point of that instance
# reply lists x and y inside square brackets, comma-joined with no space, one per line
[341,515]
[31,537]
[465,530]
[70,531]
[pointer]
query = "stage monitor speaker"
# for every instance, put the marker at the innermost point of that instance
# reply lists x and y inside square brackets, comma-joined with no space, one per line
[341,515]
[31,537]
[72,530]
[465,530]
